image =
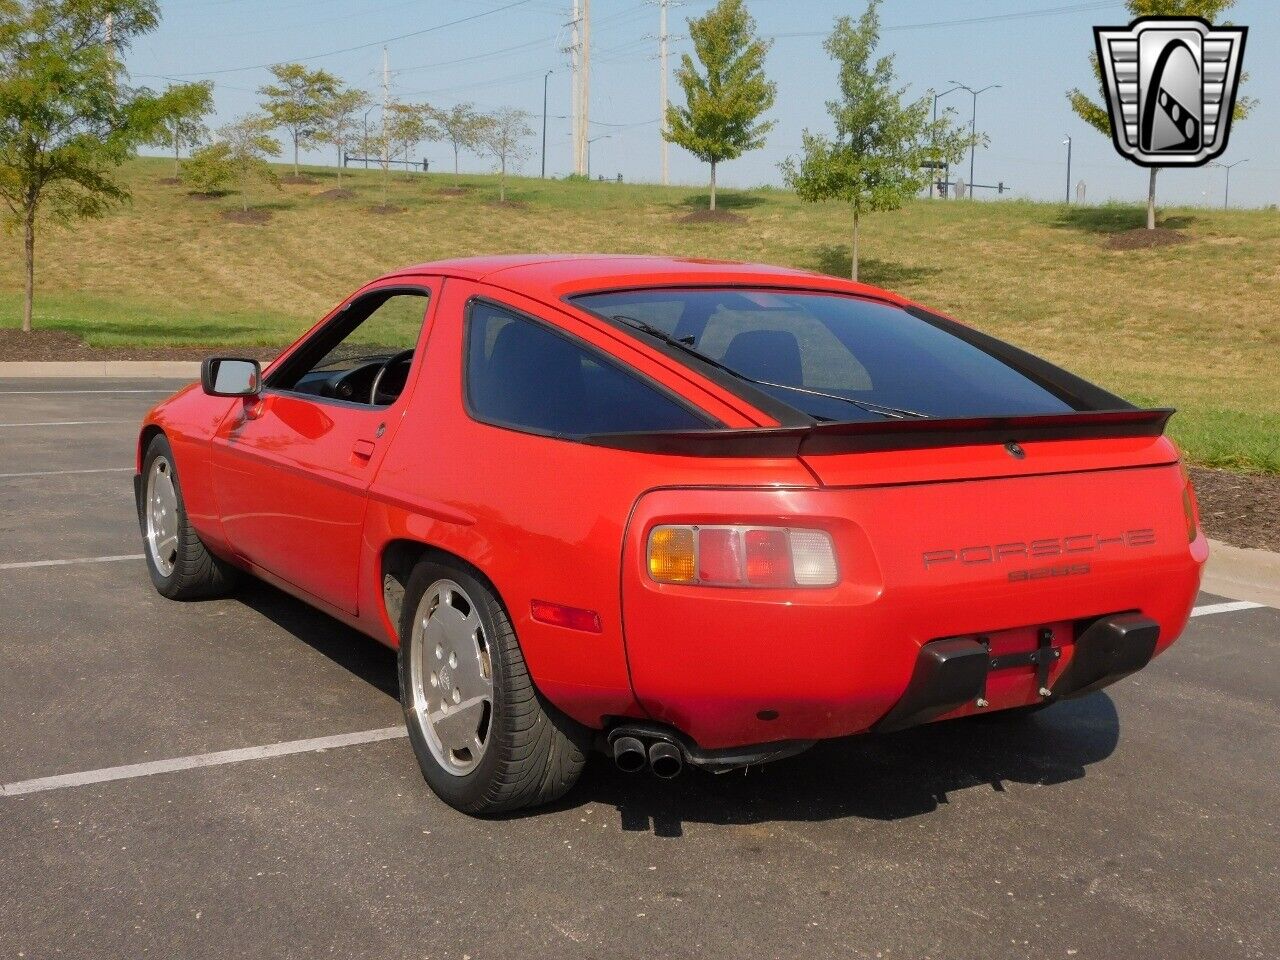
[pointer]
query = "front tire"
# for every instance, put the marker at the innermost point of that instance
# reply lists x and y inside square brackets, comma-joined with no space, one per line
[181,567]
[485,740]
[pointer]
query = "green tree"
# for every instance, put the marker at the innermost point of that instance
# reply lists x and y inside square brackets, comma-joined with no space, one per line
[246,145]
[877,158]
[67,117]
[184,126]
[209,169]
[502,135]
[1095,114]
[297,102]
[337,125]
[720,118]
[408,124]
[461,126]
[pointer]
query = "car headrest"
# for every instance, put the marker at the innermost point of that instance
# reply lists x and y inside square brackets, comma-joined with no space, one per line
[766,355]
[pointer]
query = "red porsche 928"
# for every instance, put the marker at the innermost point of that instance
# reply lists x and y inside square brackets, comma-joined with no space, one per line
[677,511]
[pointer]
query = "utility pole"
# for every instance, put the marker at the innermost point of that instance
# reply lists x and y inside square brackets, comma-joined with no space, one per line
[662,85]
[584,99]
[386,102]
[1226,192]
[1068,143]
[545,77]
[575,65]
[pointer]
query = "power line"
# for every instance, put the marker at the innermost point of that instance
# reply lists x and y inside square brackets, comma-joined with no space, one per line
[362,46]
[989,18]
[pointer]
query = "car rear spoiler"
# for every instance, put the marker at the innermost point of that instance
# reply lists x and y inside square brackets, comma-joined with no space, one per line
[827,438]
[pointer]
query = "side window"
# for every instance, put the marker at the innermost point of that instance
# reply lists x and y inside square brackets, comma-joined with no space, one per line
[524,375]
[364,355]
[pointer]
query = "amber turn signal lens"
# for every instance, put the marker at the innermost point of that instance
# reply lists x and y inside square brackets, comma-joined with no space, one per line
[671,555]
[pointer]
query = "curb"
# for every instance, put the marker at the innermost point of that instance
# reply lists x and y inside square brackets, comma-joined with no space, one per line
[1243,574]
[188,369]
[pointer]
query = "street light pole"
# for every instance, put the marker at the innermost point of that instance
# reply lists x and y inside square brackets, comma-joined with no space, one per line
[364,147]
[545,76]
[973,124]
[1226,192]
[590,141]
[1068,143]
[936,97]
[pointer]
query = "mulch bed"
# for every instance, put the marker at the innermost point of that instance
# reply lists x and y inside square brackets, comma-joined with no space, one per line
[453,191]
[299,180]
[508,204]
[338,193]
[169,181]
[253,217]
[211,195]
[1143,239]
[712,216]
[1242,509]
[62,345]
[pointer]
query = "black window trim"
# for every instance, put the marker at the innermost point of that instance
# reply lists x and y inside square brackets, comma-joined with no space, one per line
[345,320]
[590,349]
[1076,392]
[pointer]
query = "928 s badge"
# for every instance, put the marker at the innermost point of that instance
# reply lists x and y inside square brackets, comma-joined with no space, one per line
[1170,85]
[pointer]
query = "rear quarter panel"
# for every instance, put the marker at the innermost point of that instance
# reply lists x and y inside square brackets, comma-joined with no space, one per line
[541,518]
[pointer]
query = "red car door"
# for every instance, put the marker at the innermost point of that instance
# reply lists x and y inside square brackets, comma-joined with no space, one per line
[292,467]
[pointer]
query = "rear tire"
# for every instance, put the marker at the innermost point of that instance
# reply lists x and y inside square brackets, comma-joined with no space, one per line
[181,567]
[485,739]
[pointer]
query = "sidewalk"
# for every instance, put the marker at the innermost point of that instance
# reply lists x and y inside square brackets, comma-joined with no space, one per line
[100,368]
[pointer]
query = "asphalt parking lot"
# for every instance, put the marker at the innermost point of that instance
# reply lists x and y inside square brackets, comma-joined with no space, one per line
[1137,822]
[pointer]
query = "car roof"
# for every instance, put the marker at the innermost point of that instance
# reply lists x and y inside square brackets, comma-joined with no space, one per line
[553,276]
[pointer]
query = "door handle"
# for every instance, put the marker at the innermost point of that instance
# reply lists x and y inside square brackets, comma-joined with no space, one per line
[362,450]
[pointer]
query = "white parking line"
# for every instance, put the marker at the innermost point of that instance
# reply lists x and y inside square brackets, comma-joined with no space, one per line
[63,423]
[1234,605]
[133,770]
[59,393]
[28,564]
[63,473]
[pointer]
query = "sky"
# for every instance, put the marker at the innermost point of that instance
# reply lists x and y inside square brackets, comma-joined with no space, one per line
[1035,50]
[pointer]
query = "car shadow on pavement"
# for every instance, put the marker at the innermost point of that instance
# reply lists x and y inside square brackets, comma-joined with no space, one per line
[887,777]
[349,649]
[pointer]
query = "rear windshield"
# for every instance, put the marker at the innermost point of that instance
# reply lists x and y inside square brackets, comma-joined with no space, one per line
[842,346]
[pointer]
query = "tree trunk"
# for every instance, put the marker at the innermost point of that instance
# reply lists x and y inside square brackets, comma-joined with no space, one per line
[1151,199]
[713,185]
[502,183]
[386,176]
[854,259]
[244,195]
[175,152]
[455,167]
[295,154]
[340,152]
[29,257]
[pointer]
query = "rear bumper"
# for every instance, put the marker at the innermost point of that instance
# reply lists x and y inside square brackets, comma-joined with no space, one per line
[955,672]
[728,667]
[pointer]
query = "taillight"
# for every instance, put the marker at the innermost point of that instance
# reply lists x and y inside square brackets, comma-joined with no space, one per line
[1190,506]
[742,556]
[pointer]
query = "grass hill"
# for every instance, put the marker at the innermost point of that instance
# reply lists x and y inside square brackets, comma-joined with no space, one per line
[1194,325]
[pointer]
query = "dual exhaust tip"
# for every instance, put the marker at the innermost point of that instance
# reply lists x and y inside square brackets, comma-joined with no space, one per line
[662,757]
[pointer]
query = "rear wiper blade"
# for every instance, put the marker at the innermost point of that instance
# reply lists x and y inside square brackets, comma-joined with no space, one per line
[686,344]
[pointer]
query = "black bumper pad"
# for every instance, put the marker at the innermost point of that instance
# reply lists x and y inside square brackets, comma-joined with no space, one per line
[953,671]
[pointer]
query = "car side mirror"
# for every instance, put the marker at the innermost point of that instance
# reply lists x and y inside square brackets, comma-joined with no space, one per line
[230,377]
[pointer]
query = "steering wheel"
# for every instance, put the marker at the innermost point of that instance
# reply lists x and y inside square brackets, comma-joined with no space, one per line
[387,364]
